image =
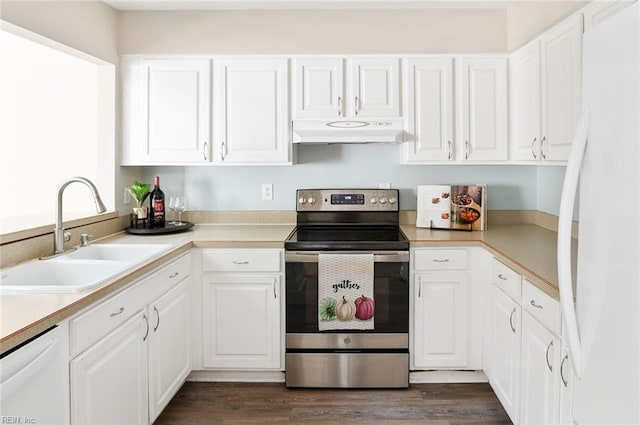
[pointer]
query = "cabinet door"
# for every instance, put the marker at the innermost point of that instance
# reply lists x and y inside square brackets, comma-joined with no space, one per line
[599,11]
[109,380]
[252,111]
[540,367]
[375,87]
[482,109]
[429,106]
[561,52]
[524,85]
[505,351]
[169,346]
[440,337]
[241,321]
[319,88]
[175,110]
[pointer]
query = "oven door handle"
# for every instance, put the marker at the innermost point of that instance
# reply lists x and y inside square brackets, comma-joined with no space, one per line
[379,257]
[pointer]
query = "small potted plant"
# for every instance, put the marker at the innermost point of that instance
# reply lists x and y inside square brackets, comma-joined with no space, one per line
[139,192]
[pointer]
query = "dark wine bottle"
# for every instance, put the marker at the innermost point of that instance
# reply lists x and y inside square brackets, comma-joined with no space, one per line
[157,205]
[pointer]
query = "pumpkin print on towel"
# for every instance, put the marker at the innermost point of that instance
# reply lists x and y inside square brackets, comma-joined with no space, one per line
[345,310]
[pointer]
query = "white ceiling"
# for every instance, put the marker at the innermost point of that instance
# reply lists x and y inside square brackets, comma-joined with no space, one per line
[302,4]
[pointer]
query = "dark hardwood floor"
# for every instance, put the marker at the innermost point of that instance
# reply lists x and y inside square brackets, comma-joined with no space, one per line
[251,403]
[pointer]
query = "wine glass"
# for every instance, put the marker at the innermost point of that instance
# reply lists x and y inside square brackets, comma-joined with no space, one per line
[172,208]
[180,205]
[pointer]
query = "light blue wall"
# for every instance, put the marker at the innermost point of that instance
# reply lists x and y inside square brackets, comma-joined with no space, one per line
[511,187]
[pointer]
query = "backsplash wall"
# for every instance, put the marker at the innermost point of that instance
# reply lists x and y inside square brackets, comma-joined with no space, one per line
[217,188]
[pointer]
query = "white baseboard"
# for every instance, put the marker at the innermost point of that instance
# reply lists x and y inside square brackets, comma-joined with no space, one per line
[235,376]
[447,376]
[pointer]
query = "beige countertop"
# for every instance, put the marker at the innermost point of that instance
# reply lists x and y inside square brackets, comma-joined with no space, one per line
[527,248]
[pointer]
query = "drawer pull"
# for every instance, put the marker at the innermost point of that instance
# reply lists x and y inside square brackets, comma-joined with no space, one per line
[275,287]
[564,380]
[501,277]
[175,274]
[240,263]
[536,305]
[155,328]
[435,260]
[547,356]
[513,328]
[120,311]
[146,321]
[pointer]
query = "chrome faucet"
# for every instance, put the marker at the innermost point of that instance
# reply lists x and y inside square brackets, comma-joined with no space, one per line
[59,235]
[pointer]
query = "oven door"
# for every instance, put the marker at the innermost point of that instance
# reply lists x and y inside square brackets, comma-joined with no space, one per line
[391,293]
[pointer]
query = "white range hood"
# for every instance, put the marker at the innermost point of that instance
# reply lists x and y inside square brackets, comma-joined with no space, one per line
[348,131]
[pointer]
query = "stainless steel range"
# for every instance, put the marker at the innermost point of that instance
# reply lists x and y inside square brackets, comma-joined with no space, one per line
[344,222]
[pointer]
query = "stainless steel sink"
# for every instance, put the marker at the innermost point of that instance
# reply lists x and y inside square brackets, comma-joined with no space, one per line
[80,270]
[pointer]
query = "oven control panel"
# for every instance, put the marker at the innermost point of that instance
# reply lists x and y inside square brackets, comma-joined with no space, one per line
[347,200]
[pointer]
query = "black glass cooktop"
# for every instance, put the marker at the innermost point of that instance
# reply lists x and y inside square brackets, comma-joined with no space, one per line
[322,238]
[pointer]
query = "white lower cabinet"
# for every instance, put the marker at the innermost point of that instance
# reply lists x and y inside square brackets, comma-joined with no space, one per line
[109,380]
[169,346]
[138,355]
[540,370]
[242,309]
[505,351]
[440,339]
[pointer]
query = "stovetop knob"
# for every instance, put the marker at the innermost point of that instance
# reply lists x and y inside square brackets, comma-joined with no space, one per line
[383,200]
[373,200]
[392,200]
[302,200]
[311,200]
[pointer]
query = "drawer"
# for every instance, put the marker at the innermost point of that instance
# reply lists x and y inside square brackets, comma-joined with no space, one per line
[241,260]
[93,324]
[541,306]
[506,279]
[440,259]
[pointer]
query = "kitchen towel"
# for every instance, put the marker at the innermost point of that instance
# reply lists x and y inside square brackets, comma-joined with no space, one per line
[345,292]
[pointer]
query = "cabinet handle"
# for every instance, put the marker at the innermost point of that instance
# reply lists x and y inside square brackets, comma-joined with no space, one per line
[466,149]
[435,260]
[513,328]
[450,154]
[158,317]
[419,287]
[223,151]
[173,275]
[546,355]
[146,321]
[536,305]
[533,150]
[501,277]
[115,313]
[275,285]
[564,380]
[544,139]
[357,105]
[204,151]
[239,263]
[339,106]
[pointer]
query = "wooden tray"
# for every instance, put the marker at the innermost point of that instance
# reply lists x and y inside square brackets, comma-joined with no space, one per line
[167,229]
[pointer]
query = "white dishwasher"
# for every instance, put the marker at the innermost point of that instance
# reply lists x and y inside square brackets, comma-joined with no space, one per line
[34,384]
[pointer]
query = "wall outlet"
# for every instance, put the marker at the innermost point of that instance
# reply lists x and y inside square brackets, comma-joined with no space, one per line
[126,200]
[384,185]
[267,192]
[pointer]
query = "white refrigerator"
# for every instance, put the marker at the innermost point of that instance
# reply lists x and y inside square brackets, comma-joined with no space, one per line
[603,328]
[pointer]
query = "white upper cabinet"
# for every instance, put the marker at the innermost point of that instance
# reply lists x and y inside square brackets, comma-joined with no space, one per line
[482,109]
[166,111]
[375,87]
[251,124]
[370,87]
[561,61]
[319,88]
[429,100]
[524,96]
[546,93]
[598,11]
